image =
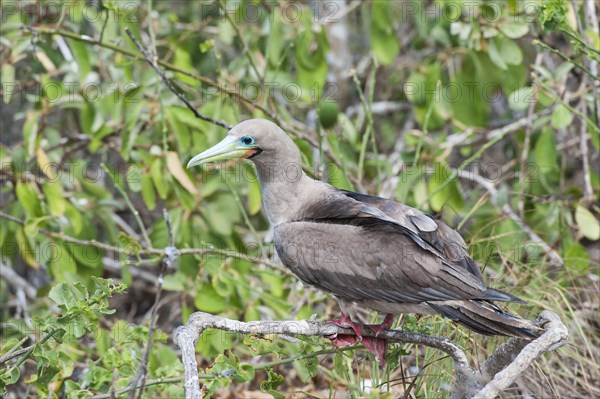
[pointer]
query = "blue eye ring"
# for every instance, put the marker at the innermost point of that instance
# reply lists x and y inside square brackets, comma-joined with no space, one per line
[247,140]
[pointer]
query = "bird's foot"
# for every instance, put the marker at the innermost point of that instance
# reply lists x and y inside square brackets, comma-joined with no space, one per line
[379,328]
[341,340]
[346,322]
[377,346]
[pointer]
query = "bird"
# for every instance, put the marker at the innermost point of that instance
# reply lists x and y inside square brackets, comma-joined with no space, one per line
[369,252]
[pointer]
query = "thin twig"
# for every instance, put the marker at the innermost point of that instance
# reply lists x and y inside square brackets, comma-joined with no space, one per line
[526,146]
[238,32]
[564,57]
[588,191]
[150,251]
[169,260]
[510,213]
[132,209]
[152,61]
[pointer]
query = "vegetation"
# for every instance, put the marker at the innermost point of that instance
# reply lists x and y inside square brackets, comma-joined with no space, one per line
[484,113]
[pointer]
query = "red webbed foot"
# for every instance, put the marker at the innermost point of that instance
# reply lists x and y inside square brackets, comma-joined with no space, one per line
[341,340]
[377,346]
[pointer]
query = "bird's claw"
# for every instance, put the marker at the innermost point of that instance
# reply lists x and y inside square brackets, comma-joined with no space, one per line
[345,322]
[377,346]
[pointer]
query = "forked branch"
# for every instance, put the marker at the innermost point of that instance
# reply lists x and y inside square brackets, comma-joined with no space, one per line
[502,368]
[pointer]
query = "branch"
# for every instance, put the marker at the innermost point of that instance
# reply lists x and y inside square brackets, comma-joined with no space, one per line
[151,59]
[556,335]
[510,213]
[168,262]
[501,362]
[150,251]
[295,128]
[186,336]
[19,283]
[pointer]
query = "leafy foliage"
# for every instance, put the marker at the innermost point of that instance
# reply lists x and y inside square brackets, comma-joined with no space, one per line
[416,101]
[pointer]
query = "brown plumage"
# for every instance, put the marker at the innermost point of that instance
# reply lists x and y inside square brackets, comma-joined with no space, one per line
[366,250]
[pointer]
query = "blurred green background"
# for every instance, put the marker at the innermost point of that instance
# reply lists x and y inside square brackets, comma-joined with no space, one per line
[485,114]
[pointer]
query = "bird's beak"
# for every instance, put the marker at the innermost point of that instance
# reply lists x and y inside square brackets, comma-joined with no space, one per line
[228,148]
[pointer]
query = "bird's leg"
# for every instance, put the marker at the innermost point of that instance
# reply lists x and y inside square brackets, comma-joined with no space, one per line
[341,340]
[387,323]
[378,346]
[346,322]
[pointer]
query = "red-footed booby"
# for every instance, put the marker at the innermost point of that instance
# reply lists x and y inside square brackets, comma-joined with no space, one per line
[367,251]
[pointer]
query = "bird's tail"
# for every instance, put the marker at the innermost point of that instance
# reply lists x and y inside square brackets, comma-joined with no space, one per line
[485,317]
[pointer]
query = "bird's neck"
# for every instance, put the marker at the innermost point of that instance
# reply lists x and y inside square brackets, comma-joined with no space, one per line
[285,189]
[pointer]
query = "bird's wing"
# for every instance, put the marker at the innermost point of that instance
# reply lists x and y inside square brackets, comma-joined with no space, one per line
[361,247]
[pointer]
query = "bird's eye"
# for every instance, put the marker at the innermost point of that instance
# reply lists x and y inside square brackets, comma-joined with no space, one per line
[247,140]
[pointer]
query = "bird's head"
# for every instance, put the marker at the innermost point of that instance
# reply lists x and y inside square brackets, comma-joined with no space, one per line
[254,139]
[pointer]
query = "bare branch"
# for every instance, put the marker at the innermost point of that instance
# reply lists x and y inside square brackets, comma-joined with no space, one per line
[151,59]
[186,336]
[168,262]
[468,380]
[16,281]
[556,335]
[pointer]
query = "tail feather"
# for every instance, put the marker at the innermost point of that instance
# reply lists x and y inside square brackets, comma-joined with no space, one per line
[486,318]
[501,296]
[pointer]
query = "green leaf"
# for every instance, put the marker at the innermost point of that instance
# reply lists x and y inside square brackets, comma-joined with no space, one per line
[270,385]
[561,117]
[254,193]
[509,51]
[174,282]
[308,367]
[74,217]
[520,99]
[449,195]
[207,45]
[245,372]
[514,30]
[588,224]
[577,258]
[64,296]
[222,284]
[384,40]
[54,198]
[61,264]
[28,198]
[183,60]
[159,179]
[11,376]
[8,81]
[148,191]
[261,345]
[208,300]
[80,52]
[495,56]
[545,153]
